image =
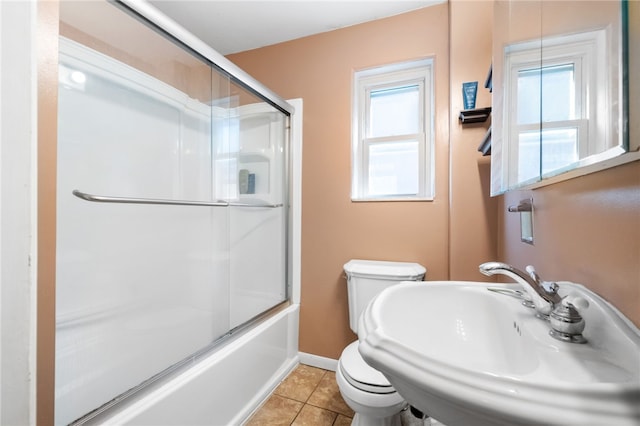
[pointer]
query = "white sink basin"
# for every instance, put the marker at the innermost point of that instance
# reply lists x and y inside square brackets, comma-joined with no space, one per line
[469,356]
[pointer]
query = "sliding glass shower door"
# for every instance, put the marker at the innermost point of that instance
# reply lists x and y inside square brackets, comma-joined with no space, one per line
[171,206]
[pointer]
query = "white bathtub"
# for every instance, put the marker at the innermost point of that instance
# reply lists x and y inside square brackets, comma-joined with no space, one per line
[225,387]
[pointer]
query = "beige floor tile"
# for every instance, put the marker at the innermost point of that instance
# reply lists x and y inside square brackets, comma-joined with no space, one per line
[314,416]
[327,396]
[300,383]
[276,411]
[342,421]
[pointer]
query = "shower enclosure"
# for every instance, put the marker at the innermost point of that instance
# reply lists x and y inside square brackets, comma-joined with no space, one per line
[172,205]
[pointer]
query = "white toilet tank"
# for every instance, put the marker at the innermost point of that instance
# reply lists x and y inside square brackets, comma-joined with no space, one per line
[367,278]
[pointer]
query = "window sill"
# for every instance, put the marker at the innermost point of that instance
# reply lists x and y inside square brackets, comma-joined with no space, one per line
[390,199]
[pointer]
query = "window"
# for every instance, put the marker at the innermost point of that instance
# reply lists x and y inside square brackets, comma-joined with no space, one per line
[392,140]
[552,102]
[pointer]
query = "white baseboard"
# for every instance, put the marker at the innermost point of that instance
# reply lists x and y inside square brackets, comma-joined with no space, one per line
[318,361]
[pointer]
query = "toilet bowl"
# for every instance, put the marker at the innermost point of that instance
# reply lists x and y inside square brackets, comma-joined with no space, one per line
[364,389]
[368,393]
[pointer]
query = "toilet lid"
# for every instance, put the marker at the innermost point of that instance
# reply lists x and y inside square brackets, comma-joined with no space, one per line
[360,374]
[396,271]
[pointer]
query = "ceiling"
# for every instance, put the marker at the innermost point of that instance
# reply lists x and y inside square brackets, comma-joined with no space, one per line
[231,26]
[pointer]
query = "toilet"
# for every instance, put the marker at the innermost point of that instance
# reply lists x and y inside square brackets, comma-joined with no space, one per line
[370,395]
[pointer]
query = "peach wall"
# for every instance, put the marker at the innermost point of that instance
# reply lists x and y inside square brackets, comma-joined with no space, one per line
[473,214]
[47,63]
[334,229]
[587,229]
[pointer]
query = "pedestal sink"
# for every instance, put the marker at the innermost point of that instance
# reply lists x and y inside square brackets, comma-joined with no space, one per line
[470,356]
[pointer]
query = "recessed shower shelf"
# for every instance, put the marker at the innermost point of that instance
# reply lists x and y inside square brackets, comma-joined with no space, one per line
[254,157]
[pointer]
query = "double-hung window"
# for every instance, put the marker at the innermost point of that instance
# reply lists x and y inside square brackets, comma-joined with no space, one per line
[553,100]
[392,141]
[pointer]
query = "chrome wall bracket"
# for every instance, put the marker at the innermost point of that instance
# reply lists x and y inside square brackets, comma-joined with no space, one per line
[525,208]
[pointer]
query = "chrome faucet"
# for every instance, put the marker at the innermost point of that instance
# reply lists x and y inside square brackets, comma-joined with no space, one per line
[543,294]
[566,322]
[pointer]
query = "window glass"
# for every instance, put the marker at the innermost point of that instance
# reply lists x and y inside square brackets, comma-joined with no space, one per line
[529,155]
[558,93]
[393,168]
[394,111]
[557,86]
[554,141]
[528,96]
[559,148]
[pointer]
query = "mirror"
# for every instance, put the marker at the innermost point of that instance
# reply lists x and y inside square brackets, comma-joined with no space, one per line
[559,91]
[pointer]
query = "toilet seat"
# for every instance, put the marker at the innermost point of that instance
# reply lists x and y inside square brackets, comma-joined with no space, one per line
[361,375]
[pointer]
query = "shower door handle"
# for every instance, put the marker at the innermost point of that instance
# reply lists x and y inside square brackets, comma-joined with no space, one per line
[268,206]
[128,200]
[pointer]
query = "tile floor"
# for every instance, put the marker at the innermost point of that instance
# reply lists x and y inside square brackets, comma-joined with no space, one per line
[309,396]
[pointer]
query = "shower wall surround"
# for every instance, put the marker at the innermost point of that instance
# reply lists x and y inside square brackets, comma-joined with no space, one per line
[141,287]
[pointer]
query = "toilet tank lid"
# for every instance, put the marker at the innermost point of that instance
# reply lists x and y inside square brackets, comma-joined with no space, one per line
[384,269]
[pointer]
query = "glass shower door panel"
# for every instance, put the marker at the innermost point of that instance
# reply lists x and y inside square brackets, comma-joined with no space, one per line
[139,287]
[257,234]
[257,262]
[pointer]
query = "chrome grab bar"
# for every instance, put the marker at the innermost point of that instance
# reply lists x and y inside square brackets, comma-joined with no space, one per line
[268,206]
[128,200]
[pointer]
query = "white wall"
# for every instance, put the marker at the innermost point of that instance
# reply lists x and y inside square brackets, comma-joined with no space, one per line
[17,209]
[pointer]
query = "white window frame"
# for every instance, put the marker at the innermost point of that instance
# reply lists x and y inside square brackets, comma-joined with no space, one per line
[587,52]
[420,73]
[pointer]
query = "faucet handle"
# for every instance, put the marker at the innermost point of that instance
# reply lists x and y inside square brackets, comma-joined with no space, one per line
[532,273]
[566,322]
[577,302]
[549,286]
